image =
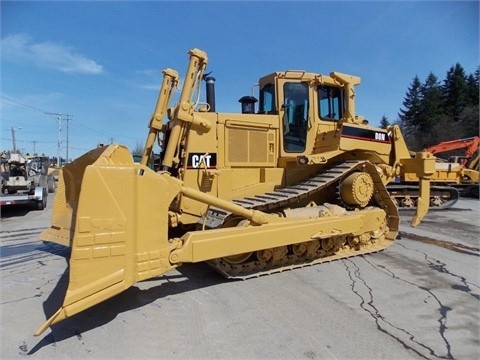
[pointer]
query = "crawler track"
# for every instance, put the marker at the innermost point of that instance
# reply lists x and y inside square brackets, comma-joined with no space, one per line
[405,196]
[312,251]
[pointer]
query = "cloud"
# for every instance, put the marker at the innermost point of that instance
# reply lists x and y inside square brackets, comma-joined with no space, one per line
[150,79]
[19,47]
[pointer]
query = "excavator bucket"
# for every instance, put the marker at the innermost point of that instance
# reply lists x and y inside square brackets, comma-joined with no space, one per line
[114,214]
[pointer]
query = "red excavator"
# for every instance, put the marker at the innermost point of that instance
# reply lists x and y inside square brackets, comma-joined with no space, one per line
[469,144]
[469,161]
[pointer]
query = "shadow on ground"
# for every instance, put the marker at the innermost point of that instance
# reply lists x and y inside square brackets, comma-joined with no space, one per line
[15,210]
[186,278]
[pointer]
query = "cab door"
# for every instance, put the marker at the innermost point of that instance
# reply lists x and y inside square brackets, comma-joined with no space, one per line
[294,112]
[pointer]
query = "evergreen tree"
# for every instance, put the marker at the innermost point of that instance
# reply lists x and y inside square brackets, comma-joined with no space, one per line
[422,113]
[455,92]
[411,103]
[431,104]
[469,123]
[410,111]
[384,123]
[433,113]
[473,88]
[469,118]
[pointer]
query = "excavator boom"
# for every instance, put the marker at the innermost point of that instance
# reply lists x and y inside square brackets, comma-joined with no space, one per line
[469,144]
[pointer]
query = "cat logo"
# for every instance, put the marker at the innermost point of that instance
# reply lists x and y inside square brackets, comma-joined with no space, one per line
[202,161]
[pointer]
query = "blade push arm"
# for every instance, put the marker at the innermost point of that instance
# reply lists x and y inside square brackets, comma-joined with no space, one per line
[170,82]
[183,111]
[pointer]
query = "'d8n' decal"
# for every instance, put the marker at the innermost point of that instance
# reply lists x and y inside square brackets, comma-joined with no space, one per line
[380,136]
[353,132]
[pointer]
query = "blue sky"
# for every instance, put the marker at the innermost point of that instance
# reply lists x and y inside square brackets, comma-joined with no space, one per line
[101,62]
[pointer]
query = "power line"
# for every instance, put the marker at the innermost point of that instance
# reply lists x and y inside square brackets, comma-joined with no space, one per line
[28,107]
[28,141]
[93,130]
[81,149]
[22,105]
[19,104]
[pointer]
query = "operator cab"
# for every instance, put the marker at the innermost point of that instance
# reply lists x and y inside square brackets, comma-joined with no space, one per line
[307,101]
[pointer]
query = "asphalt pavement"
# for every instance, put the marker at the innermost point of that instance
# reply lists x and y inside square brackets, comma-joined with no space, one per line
[418,299]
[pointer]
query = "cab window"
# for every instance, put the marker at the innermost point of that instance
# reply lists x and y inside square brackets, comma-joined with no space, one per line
[330,103]
[267,100]
[295,117]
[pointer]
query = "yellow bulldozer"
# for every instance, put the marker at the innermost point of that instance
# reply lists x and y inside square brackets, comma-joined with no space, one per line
[299,181]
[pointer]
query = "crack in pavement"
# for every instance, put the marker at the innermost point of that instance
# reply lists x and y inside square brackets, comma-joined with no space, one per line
[443,310]
[17,268]
[373,311]
[457,247]
[23,349]
[22,299]
[441,267]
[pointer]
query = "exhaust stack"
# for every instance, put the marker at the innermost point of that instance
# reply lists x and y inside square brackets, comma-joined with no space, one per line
[210,80]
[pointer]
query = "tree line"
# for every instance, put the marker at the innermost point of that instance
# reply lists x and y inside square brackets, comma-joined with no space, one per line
[434,111]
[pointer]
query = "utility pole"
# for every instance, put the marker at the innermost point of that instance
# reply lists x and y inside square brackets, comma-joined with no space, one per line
[59,124]
[34,142]
[13,139]
[59,121]
[68,121]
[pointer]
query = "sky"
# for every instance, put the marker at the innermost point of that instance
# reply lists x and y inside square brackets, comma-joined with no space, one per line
[99,63]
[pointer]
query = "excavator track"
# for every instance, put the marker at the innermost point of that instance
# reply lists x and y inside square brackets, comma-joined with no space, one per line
[405,196]
[314,251]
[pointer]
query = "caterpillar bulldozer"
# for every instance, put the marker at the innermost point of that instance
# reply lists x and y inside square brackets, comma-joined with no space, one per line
[300,181]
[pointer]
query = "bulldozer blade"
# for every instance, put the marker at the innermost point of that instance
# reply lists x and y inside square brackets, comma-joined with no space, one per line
[118,227]
[68,190]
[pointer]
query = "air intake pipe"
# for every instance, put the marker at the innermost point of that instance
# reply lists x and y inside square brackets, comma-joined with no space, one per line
[248,104]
